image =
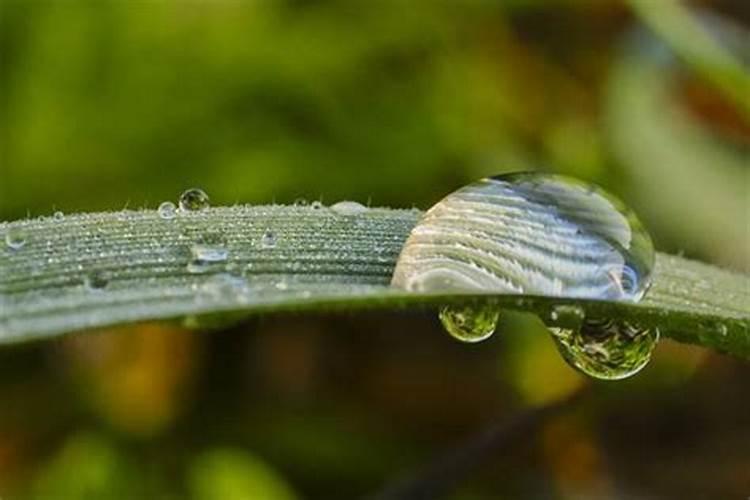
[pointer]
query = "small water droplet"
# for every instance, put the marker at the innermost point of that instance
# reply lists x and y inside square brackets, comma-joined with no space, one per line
[529,233]
[96,280]
[58,216]
[316,205]
[225,285]
[282,285]
[723,330]
[348,208]
[606,349]
[268,240]
[300,202]
[209,253]
[167,210]
[194,199]
[15,238]
[206,257]
[470,323]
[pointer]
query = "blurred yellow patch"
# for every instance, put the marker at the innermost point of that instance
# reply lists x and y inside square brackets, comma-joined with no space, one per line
[537,371]
[574,458]
[135,377]
[227,474]
[87,466]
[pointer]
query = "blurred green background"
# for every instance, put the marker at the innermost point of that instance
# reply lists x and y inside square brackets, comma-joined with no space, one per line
[108,104]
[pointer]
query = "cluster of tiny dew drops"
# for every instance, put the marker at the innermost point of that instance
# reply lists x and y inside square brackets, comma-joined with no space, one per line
[210,254]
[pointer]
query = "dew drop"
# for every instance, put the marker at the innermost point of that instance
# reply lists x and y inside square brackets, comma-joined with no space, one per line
[268,240]
[58,216]
[567,316]
[300,202]
[606,349]
[209,253]
[282,285]
[194,199]
[205,258]
[226,286]
[167,210]
[96,281]
[316,205]
[15,238]
[348,208]
[529,233]
[469,323]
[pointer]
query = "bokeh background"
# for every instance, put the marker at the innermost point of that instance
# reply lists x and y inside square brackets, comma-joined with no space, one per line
[108,104]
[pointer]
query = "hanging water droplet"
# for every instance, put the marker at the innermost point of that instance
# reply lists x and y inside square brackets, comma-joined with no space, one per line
[529,233]
[15,238]
[268,239]
[96,280]
[348,208]
[194,199]
[470,323]
[567,315]
[606,349]
[58,216]
[167,210]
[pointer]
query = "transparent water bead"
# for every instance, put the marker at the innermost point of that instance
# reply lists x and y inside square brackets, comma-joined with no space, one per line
[194,199]
[226,286]
[469,323]
[606,349]
[167,210]
[58,216]
[268,239]
[209,253]
[96,280]
[529,233]
[15,238]
[205,257]
[348,208]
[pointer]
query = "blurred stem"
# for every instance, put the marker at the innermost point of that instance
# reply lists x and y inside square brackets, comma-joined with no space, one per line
[674,23]
[95,270]
[443,475]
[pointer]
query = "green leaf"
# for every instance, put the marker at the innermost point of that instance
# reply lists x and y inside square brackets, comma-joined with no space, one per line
[95,270]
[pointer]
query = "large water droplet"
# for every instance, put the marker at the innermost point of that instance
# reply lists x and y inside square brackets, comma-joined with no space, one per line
[167,210]
[606,349]
[348,208]
[470,323]
[529,233]
[15,238]
[194,199]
